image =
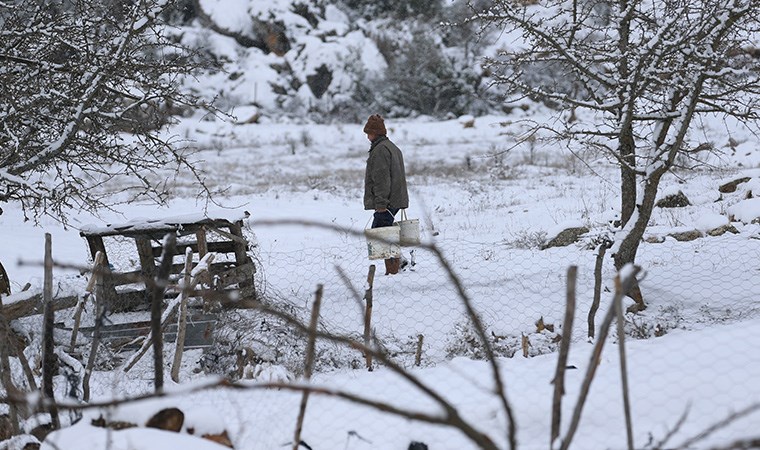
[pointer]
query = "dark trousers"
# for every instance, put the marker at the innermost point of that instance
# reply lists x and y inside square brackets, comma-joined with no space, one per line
[385,218]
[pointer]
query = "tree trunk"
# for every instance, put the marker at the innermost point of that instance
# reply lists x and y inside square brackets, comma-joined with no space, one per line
[626,252]
[627,151]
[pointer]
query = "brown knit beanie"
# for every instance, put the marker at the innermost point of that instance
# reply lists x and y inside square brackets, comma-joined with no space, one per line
[375,125]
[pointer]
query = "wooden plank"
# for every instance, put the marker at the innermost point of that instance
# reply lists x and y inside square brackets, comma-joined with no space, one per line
[145,251]
[157,230]
[241,245]
[202,243]
[214,246]
[32,306]
[200,332]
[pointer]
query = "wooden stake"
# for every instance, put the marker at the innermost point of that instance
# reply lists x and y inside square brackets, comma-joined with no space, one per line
[100,293]
[310,350]
[368,315]
[182,325]
[564,349]
[80,304]
[48,345]
[622,288]
[418,353]
[5,370]
[618,306]
[601,250]
[159,287]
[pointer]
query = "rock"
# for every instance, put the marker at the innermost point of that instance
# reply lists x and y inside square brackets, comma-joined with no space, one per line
[467,121]
[272,34]
[566,237]
[418,446]
[319,81]
[678,200]
[41,431]
[169,419]
[116,425]
[685,236]
[653,239]
[732,186]
[721,230]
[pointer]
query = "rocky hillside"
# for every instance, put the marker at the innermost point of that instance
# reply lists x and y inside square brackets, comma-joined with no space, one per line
[337,60]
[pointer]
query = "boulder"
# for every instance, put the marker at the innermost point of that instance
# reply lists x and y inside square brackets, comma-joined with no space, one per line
[721,230]
[685,236]
[677,200]
[169,419]
[566,237]
[732,186]
[319,81]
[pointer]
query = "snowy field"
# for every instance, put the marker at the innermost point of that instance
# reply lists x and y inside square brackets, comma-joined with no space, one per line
[487,205]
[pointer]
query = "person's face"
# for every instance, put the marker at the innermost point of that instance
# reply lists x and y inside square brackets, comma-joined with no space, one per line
[371,137]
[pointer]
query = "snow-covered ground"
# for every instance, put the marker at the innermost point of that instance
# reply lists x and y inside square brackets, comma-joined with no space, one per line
[487,206]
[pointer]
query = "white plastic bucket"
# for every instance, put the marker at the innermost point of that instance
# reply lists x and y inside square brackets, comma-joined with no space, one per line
[383,242]
[409,232]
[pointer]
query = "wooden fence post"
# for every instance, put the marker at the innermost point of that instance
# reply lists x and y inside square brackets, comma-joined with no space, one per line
[564,350]
[182,322]
[601,250]
[5,370]
[48,345]
[418,353]
[80,304]
[100,302]
[368,315]
[310,349]
[159,287]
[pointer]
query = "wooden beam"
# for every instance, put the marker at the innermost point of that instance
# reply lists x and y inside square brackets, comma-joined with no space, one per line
[215,247]
[31,306]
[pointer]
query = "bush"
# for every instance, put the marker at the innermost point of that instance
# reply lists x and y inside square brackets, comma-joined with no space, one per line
[423,80]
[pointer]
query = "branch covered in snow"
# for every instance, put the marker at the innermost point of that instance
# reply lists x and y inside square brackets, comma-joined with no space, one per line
[87,86]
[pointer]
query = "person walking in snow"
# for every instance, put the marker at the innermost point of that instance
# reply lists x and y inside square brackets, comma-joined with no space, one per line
[384,181]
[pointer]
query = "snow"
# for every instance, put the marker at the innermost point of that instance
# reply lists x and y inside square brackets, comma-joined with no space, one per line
[478,216]
[746,210]
[486,202]
[84,436]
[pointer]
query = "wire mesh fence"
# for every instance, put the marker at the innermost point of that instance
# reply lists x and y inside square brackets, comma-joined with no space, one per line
[519,292]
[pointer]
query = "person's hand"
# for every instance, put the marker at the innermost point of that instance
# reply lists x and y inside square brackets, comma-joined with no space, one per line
[381,209]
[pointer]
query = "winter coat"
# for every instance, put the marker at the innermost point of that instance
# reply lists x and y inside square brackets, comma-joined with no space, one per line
[385,178]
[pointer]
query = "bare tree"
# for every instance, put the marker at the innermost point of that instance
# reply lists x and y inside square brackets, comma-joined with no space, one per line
[642,73]
[85,86]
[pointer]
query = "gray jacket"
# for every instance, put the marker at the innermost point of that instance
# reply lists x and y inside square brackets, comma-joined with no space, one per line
[385,178]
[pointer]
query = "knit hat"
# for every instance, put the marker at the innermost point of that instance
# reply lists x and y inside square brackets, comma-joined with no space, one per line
[375,125]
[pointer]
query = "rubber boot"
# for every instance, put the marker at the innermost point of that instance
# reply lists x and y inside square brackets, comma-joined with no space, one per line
[394,265]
